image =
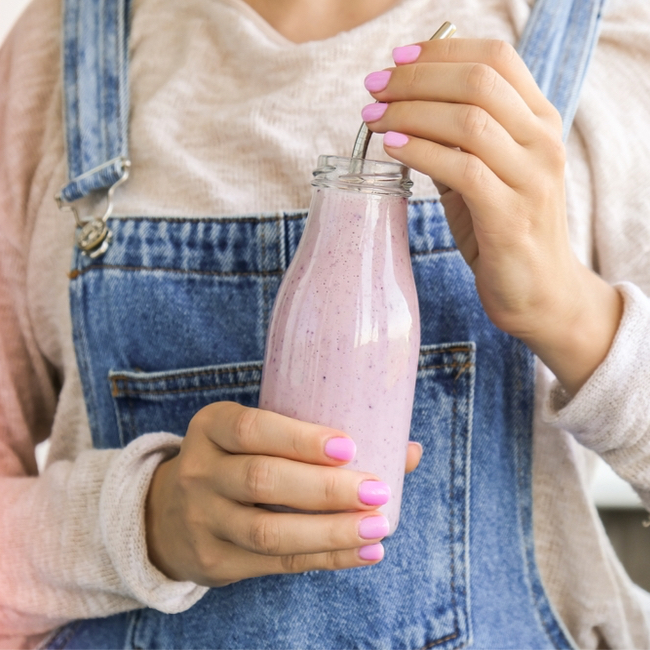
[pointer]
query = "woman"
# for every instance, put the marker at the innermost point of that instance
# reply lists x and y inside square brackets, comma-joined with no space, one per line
[230,103]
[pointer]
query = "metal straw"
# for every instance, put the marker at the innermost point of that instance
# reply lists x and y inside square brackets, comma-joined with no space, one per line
[362,141]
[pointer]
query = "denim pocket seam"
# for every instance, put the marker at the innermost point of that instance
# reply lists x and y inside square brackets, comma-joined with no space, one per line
[449,637]
[117,377]
[433,251]
[192,389]
[462,366]
[461,357]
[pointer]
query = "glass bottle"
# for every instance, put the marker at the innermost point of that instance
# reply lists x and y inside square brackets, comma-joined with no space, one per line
[344,338]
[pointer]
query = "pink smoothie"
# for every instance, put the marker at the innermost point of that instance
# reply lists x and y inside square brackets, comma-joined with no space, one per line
[344,336]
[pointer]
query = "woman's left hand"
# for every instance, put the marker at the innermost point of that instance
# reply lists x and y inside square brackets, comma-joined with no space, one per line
[469,114]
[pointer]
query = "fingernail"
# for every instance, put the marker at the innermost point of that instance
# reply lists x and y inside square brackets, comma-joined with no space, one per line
[416,444]
[373,527]
[340,448]
[371,552]
[394,139]
[374,493]
[377,81]
[373,112]
[406,54]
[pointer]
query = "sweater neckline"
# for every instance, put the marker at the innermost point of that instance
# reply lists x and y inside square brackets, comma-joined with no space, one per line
[393,14]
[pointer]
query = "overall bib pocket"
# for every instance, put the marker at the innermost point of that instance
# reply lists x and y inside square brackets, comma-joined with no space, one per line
[427,559]
[167,401]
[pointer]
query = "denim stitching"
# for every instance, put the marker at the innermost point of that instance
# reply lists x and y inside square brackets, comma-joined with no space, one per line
[452,469]
[216,220]
[133,431]
[117,390]
[73,275]
[462,348]
[193,389]
[462,366]
[451,249]
[199,373]
[264,287]
[439,641]
[452,509]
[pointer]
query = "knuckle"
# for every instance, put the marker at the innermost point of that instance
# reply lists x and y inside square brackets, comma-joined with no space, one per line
[259,480]
[293,563]
[264,535]
[472,170]
[473,121]
[336,561]
[481,80]
[556,151]
[412,76]
[431,157]
[206,560]
[555,121]
[549,144]
[330,487]
[199,421]
[188,472]
[247,428]
[501,53]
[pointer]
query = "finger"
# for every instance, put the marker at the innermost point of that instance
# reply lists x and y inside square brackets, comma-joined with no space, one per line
[241,430]
[465,126]
[481,189]
[242,564]
[475,84]
[273,533]
[500,56]
[413,456]
[279,481]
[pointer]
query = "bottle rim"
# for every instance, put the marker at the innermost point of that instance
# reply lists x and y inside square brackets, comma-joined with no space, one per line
[363,175]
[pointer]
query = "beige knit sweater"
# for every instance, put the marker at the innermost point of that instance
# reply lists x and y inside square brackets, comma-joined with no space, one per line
[227,118]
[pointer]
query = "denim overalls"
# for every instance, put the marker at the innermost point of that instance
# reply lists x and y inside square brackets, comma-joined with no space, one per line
[170,314]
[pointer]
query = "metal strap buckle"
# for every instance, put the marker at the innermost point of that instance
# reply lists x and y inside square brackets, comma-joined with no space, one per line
[94,236]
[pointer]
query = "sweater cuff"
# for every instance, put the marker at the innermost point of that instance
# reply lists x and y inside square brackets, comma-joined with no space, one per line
[122,505]
[610,414]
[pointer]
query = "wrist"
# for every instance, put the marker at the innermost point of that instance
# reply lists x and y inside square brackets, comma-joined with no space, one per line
[573,339]
[158,502]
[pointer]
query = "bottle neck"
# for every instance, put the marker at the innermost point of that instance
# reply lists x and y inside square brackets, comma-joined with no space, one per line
[363,176]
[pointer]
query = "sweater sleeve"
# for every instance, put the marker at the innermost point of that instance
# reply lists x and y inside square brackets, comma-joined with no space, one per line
[72,539]
[74,543]
[611,412]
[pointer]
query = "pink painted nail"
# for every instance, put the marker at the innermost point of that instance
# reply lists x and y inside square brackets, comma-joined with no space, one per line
[374,493]
[394,139]
[373,112]
[377,81]
[371,552]
[340,448]
[373,527]
[406,54]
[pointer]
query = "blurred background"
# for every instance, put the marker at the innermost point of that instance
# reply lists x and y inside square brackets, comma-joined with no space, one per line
[619,506]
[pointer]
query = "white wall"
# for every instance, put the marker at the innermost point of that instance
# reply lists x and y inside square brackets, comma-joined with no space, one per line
[9,12]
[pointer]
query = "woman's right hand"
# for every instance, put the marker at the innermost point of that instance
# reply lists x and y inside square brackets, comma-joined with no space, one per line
[202,520]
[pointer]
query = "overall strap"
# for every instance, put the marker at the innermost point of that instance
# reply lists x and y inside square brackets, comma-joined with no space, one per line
[557,45]
[96,94]
[96,107]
